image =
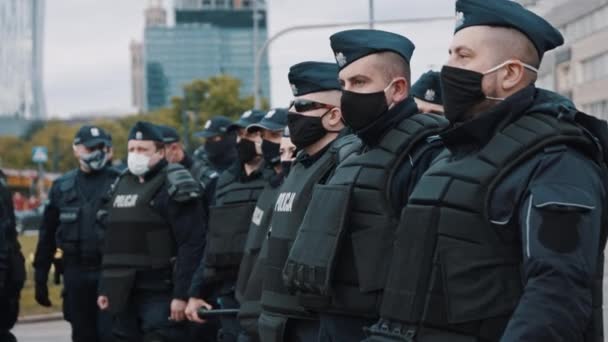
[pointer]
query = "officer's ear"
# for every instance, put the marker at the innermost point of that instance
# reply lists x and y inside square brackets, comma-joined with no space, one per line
[334,118]
[400,91]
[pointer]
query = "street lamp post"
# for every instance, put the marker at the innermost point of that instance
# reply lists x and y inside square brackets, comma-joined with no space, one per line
[371,14]
[260,52]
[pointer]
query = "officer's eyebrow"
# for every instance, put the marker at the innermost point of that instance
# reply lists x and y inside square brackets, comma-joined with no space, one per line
[358,77]
[461,49]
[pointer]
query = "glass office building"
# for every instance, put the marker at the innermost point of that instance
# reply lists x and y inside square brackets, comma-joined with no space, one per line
[202,44]
[21,34]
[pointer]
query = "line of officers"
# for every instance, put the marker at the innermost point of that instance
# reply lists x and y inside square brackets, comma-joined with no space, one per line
[360,213]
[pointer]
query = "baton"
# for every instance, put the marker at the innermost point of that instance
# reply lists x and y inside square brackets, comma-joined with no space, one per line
[204,313]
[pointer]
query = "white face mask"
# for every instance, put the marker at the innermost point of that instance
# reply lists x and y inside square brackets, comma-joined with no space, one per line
[138,163]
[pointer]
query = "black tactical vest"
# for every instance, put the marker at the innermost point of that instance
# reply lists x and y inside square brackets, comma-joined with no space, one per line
[258,230]
[289,211]
[204,172]
[251,275]
[229,221]
[81,232]
[138,236]
[458,272]
[340,259]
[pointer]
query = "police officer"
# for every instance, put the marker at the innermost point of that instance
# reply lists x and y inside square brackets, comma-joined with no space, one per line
[219,154]
[175,152]
[237,191]
[503,235]
[211,159]
[278,152]
[155,237]
[340,258]
[427,93]
[12,266]
[271,129]
[316,127]
[73,222]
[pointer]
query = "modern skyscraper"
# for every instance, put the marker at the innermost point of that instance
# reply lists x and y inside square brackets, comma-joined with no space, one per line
[21,36]
[209,38]
[137,75]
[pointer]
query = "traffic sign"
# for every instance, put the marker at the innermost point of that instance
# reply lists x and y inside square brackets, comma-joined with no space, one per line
[40,154]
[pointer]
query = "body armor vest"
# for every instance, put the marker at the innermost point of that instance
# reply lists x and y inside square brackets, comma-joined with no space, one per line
[457,273]
[340,259]
[204,172]
[138,236]
[229,220]
[251,271]
[289,210]
[80,233]
[258,230]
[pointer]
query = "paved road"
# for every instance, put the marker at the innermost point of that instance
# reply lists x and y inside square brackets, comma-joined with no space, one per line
[54,331]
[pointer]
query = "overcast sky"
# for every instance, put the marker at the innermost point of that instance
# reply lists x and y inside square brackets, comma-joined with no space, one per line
[87,66]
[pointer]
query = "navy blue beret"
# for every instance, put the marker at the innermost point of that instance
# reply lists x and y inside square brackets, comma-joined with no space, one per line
[351,45]
[312,77]
[143,130]
[170,134]
[506,13]
[428,88]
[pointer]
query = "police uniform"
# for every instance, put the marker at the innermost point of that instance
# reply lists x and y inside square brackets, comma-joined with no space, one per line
[73,222]
[214,157]
[154,239]
[502,238]
[282,318]
[12,266]
[249,280]
[236,194]
[211,160]
[171,136]
[428,88]
[339,261]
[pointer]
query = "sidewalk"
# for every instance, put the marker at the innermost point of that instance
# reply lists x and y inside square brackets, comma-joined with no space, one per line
[57,316]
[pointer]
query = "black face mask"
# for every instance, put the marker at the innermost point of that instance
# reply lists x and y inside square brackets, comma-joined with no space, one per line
[246,150]
[306,130]
[361,110]
[223,151]
[461,91]
[271,152]
[286,167]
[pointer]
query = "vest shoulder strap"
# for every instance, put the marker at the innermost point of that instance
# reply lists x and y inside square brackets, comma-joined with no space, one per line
[182,186]
[68,181]
[526,137]
[415,128]
[346,146]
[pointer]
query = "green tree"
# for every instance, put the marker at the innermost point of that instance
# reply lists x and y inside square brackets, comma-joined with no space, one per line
[204,99]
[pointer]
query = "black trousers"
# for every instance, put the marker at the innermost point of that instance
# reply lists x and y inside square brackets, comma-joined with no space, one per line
[89,324]
[146,318]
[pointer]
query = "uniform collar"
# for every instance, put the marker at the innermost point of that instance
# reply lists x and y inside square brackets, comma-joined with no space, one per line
[186,161]
[244,177]
[479,131]
[308,160]
[155,170]
[372,134]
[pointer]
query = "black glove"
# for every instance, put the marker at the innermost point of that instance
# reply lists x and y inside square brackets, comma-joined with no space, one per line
[42,290]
